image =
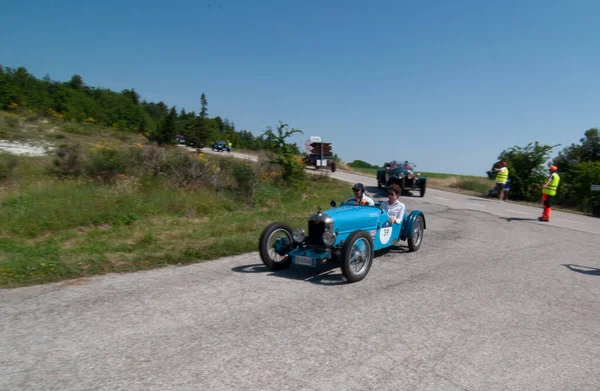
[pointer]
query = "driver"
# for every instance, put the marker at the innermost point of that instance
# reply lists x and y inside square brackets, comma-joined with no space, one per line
[360,197]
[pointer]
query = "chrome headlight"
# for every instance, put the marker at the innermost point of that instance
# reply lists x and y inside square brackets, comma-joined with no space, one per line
[299,235]
[328,238]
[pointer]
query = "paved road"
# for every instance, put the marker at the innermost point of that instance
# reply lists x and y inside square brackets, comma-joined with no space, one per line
[485,304]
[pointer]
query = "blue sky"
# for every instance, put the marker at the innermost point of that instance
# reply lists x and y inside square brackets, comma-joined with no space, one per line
[446,84]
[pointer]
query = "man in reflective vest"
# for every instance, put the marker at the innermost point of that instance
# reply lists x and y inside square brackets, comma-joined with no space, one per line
[548,193]
[501,178]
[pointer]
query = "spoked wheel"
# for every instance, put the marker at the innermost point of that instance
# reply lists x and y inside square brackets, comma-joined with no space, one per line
[416,237]
[357,256]
[274,245]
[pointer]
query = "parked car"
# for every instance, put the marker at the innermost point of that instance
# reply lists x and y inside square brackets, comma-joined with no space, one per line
[193,142]
[221,146]
[403,175]
[349,234]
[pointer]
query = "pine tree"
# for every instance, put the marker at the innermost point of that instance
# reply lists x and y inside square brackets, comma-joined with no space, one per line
[203,111]
[170,127]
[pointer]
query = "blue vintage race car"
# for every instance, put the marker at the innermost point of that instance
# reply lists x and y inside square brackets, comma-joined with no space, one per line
[349,234]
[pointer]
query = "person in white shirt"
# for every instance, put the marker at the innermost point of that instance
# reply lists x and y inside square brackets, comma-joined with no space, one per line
[394,208]
[360,197]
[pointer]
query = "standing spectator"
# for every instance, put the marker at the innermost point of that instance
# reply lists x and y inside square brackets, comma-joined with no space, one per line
[501,178]
[506,189]
[548,193]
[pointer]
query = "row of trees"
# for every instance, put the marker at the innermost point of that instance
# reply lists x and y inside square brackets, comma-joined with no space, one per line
[73,100]
[578,166]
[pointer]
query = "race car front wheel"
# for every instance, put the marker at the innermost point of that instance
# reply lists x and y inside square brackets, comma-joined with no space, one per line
[416,237]
[357,256]
[275,243]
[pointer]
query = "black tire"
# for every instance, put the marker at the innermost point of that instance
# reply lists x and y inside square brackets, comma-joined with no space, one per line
[416,236]
[272,258]
[423,189]
[350,253]
[333,168]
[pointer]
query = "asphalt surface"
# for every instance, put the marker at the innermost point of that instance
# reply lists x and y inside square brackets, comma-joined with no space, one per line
[491,301]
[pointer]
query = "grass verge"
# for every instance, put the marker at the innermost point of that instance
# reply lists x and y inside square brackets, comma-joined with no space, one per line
[54,230]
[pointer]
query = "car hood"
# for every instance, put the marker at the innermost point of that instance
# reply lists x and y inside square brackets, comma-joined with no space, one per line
[348,218]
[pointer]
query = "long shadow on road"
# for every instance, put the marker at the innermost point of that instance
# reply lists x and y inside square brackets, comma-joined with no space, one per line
[327,274]
[592,271]
[322,274]
[517,219]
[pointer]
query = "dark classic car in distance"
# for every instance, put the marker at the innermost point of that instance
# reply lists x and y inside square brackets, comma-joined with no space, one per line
[403,175]
[221,146]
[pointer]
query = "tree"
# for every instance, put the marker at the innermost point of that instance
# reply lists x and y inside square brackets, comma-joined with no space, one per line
[527,169]
[203,104]
[165,133]
[170,127]
[360,164]
[277,141]
[286,154]
[132,95]
[579,167]
[76,82]
[199,133]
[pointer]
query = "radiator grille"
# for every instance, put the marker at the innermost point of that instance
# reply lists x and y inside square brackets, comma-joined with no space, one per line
[315,233]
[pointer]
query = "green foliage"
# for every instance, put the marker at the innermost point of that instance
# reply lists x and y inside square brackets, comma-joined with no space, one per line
[7,164]
[68,161]
[245,176]
[186,171]
[77,103]
[199,133]
[578,166]
[526,166]
[166,131]
[276,141]
[361,164]
[203,110]
[286,155]
[105,162]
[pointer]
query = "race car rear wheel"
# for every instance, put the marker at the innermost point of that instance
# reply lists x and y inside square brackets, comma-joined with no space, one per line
[416,237]
[357,256]
[423,188]
[274,245]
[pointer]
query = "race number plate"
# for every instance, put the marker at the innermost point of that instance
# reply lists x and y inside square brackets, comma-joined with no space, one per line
[301,260]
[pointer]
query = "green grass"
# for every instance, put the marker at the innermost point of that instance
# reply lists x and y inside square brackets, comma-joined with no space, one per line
[52,230]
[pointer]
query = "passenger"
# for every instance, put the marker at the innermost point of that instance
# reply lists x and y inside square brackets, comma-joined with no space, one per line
[360,197]
[394,208]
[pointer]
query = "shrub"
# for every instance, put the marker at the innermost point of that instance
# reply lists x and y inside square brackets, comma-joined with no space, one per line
[105,162]
[292,169]
[68,161]
[7,164]
[245,176]
[75,128]
[185,170]
[12,122]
